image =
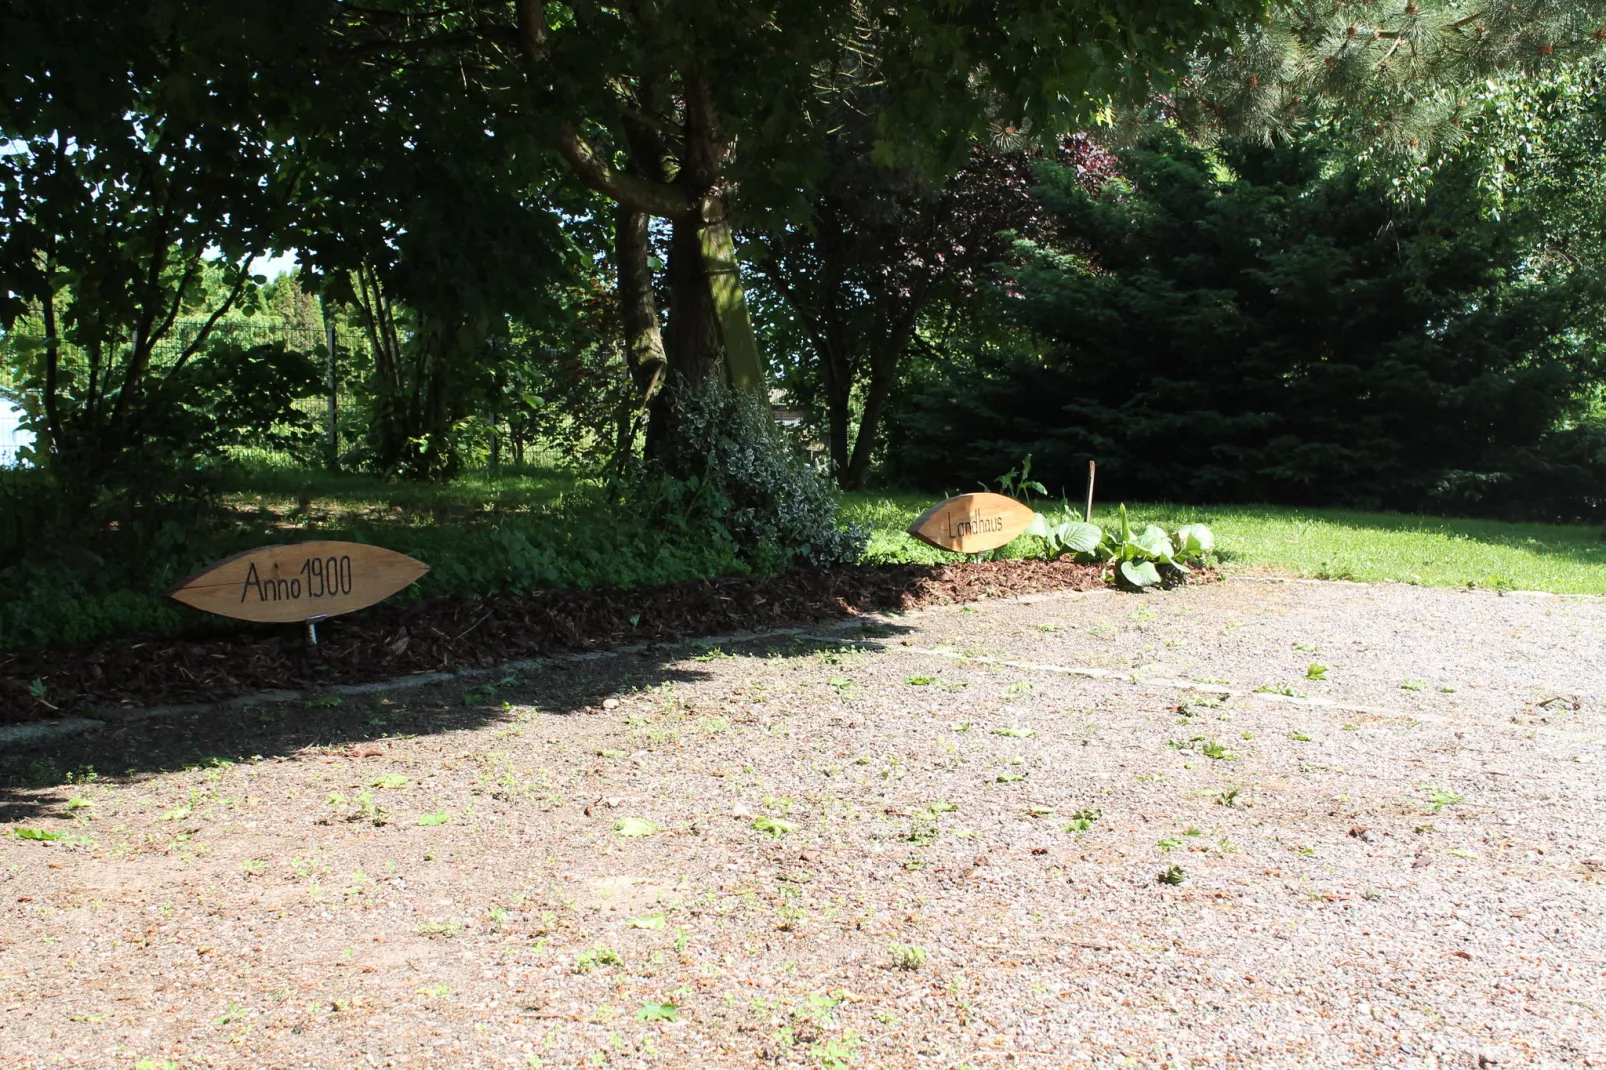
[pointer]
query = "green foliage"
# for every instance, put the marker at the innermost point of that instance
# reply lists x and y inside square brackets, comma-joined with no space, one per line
[1140,559]
[1258,326]
[749,486]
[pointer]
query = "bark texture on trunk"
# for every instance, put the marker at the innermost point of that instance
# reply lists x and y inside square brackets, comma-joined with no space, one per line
[644,341]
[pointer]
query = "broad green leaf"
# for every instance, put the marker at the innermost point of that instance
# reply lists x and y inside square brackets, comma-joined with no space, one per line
[630,827]
[1078,537]
[389,780]
[651,921]
[1155,542]
[439,817]
[1140,573]
[1038,526]
[1195,539]
[658,1012]
[38,834]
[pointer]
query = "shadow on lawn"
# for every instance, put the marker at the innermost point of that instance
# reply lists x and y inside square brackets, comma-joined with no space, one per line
[40,780]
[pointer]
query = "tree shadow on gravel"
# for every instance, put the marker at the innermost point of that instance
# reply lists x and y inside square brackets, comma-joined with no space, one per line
[39,780]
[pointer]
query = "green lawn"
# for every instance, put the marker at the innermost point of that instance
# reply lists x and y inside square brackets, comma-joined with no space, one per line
[1324,544]
[548,529]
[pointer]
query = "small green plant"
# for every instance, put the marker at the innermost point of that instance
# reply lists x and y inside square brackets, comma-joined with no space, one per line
[1299,737]
[1212,749]
[1316,672]
[629,828]
[1413,685]
[907,956]
[773,826]
[592,958]
[1228,797]
[1172,875]
[1018,482]
[439,817]
[1019,687]
[1010,778]
[1014,733]
[920,681]
[1083,820]
[449,927]
[1439,798]
[389,780]
[658,1012]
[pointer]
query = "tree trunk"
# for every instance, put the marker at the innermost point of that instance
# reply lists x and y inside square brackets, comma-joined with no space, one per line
[838,392]
[883,373]
[644,342]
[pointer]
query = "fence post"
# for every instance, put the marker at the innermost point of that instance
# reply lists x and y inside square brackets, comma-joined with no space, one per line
[334,405]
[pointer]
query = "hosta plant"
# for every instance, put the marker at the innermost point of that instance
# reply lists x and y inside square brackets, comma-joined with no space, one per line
[1146,558]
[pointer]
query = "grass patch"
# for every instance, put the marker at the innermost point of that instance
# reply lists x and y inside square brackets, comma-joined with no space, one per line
[1320,544]
[537,529]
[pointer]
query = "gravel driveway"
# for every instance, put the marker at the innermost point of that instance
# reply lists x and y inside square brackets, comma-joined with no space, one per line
[1251,823]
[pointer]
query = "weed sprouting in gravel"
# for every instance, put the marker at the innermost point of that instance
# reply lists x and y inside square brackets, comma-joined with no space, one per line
[1083,819]
[658,1012]
[907,956]
[773,826]
[627,828]
[1439,798]
[1228,797]
[361,808]
[1316,672]
[592,958]
[1172,875]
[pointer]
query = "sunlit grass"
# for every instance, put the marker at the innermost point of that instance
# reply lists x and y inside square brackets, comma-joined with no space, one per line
[1323,544]
[1314,543]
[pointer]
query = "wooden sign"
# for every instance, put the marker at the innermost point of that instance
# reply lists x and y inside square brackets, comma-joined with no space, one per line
[302,581]
[972,523]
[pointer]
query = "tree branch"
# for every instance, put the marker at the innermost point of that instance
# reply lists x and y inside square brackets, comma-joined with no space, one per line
[663,199]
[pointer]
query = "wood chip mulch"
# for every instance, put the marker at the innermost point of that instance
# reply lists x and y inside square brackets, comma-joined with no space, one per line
[442,635]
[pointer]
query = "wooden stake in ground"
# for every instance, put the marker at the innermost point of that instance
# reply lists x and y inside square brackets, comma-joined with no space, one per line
[1087,514]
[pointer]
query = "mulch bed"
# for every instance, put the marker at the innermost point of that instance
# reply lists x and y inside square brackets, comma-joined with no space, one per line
[436,635]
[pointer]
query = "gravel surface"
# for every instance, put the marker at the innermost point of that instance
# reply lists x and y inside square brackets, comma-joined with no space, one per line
[938,844]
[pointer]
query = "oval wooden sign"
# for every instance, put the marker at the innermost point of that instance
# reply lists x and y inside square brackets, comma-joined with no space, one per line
[301,581]
[972,523]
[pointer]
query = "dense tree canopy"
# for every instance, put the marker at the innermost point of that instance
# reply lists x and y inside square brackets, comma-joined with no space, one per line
[1251,329]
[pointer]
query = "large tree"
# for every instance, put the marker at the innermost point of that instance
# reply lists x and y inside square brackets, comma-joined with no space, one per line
[882,249]
[695,111]
[144,156]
